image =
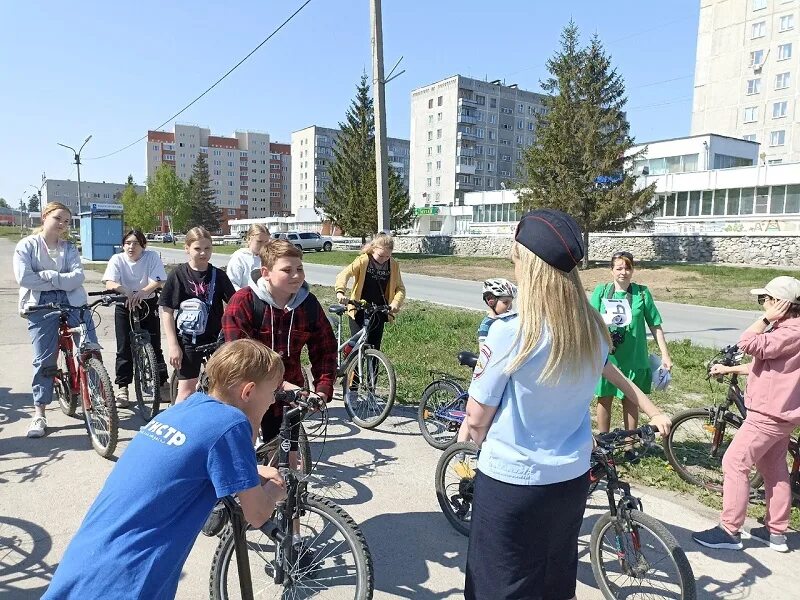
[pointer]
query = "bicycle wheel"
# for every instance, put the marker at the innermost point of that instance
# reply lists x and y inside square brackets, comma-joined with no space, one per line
[340,565]
[455,480]
[101,416]
[689,449]
[440,413]
[67,401]
[373,386]
[268,455]
[146,381]
[633,556]
[173,387]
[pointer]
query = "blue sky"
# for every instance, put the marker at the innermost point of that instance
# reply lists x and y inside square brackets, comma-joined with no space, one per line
[116,69]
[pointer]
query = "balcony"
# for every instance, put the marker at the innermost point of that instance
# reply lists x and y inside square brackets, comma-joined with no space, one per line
[465,118]
[466,102]
[470,137]
[463,186]
[465,169]
[466,151]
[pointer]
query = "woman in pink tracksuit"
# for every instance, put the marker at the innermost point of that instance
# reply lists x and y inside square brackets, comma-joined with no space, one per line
[773,412]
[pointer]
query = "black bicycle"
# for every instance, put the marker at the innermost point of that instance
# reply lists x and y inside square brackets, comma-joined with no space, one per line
[309,548]
[633,555]
[700,436]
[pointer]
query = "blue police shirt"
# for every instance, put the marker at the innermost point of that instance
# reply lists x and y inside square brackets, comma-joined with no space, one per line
[137,535]
[541,433]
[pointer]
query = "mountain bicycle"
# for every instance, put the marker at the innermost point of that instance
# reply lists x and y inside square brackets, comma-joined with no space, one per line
[700,436]
[443,405]
[331,561]
[632,554]
[81,375]
[146,371]
[206,350]
[369,384]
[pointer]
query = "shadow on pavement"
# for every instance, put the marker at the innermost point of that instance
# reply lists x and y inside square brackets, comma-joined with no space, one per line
[23,546]
[401,567]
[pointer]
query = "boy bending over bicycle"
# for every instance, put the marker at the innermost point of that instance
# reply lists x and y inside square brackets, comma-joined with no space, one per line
[279,311]
[137,534]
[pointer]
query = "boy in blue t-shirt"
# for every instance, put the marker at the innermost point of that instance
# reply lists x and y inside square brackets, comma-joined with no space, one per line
[137,535]
[498,294]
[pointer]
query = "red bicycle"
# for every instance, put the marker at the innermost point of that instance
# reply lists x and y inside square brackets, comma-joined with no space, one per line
[82,375]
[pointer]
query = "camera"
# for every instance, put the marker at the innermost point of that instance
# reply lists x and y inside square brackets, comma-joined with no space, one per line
[617,337]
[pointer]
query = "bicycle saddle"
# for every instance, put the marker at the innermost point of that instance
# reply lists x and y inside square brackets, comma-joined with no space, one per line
[337,309]
[467,359]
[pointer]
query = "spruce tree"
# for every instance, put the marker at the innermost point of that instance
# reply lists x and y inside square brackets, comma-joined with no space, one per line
[578,162]
[352,190]
[204,211]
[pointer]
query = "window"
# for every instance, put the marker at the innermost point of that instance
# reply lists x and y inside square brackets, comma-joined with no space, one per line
[480,132]
[782,81]
[706,202]
[792,199]
[429,167]
[438,134]
[694,204]
[751,114]
[430,119]
[777,138]
[784,52]
[753,86]
[683,201]
[719,202]
[520,124]
[779,109]
[430,150]
[438,116]
[438,165]
[786,23]
[430,103]
[430,136]
[438,181]
[492,102]
[438,148]
[750,137]
[759,4]
[758,30]
[520,108]
[756,58]
[439,101]
[428,181]
[724,161]
[762,200]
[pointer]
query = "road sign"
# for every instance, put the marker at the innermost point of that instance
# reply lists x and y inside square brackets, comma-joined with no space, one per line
[426,210]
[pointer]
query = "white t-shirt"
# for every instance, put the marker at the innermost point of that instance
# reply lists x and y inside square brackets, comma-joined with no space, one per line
[241,266]
[135,275]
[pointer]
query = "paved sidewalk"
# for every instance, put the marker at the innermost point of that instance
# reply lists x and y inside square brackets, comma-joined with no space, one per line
[384,479]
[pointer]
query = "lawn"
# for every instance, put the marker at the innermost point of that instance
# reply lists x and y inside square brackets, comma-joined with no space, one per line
[13,233]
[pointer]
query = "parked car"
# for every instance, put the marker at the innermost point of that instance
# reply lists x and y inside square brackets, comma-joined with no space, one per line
[308,240]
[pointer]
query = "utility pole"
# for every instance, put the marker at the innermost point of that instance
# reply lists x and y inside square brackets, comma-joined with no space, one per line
[77,154]
[379,104]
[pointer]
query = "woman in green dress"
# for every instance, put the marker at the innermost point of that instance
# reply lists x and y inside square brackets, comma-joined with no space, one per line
[630,342]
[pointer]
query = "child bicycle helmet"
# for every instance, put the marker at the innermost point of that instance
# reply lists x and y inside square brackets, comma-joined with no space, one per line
[498,288]
[661,377]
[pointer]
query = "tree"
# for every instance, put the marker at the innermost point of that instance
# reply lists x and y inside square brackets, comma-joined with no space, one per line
[3,203]
[203,210]
[578,163]
[33,203]
[138,209]
[352,191]
[168,194]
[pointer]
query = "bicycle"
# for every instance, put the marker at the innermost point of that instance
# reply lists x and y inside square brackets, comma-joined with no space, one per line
[700,436]
[146,372]
[206,350]
[82,375]
[443,405]
[369,383]
[634,532]
[632,553]
[333,559]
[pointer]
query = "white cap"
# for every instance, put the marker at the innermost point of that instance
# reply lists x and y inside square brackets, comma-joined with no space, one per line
[781,288]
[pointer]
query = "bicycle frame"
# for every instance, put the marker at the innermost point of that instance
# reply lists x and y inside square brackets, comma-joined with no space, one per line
[76,375]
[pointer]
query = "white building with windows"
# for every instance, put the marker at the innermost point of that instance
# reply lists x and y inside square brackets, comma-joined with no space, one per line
[66,192]
[693,153]
[747,74]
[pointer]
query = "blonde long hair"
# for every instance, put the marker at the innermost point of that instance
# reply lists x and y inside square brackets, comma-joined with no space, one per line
[254,230]
[49,208]
[551,298]
[379,240]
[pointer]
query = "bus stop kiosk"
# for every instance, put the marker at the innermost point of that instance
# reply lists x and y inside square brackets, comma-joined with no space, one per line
[101,231]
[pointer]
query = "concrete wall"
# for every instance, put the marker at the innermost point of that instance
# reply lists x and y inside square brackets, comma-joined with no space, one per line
[765,250]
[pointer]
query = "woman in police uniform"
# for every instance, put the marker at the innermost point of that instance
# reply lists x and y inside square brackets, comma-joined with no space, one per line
[529,411]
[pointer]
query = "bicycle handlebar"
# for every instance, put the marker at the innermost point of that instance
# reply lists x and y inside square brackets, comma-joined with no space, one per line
[369,306]
[302,398]
[62,308]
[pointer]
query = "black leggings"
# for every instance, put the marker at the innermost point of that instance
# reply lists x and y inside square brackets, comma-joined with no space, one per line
[375,333]
[122,327]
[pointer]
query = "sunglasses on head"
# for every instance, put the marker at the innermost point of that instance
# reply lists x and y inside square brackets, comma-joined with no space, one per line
[763,298]
[622,254]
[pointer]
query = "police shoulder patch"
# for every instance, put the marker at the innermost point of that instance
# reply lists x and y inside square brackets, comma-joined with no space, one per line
[483,359]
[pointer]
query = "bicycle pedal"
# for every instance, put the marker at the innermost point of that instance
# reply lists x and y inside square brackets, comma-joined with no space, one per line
[464,471]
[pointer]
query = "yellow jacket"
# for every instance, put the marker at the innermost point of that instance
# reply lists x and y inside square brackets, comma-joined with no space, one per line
[395,290]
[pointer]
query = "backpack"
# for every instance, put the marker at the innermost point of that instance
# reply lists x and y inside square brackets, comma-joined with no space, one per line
[192,316]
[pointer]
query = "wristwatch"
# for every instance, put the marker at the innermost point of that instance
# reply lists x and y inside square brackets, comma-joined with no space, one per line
[766,321]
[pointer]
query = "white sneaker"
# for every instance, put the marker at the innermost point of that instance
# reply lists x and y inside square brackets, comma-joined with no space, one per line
[776,541]
[122,397]
[37,427]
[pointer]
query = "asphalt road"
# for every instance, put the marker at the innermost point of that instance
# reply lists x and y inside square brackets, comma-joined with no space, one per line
[705,326]
[383,478]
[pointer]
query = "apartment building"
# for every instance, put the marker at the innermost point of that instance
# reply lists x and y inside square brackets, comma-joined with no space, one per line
[468,135]
[66,192]
[747,72]
[240,167]
[312,154]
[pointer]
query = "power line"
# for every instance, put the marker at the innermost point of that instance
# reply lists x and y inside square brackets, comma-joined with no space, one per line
[675,101]
[644,85]
[217,82]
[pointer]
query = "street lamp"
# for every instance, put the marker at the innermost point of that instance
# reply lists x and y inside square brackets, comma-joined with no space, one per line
[38,189]
[78,164]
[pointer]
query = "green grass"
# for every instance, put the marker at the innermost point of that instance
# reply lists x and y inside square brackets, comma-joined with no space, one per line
[13,233]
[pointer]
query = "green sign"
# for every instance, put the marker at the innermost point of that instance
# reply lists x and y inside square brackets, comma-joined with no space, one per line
[427,210]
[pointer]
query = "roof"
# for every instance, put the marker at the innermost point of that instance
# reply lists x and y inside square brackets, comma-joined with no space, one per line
[699,135]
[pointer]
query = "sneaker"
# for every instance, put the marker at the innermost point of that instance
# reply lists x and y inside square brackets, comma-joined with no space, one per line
[718,538]
[92,347]
[776,541]
[122,397]
[37,427]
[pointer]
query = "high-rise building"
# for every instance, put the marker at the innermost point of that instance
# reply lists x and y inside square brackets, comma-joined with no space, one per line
[468,135]
[747,72]
[240,168]
[312,154]
[66,192]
